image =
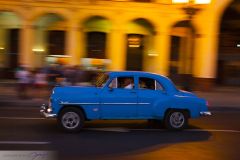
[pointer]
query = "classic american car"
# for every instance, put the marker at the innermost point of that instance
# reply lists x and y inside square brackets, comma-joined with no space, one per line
[127,95]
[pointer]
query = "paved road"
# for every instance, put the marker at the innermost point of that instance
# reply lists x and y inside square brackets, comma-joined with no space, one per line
[215,137]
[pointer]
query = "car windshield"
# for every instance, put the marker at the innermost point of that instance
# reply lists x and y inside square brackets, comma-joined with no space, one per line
[101,79]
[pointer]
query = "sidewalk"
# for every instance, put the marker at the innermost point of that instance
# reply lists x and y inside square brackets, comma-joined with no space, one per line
[9,96]
[222,97]
[227,97]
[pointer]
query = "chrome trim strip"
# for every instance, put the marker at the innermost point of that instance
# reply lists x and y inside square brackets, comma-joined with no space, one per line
[105,103]
[47,115]
[125,103]
[79,103]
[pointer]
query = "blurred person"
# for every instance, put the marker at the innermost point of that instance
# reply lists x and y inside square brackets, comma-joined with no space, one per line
[142,84]
[128,83]
[23,80]
[71,75]
[40,83]
[76,72]
[84,77]
[60,78]
[55,76]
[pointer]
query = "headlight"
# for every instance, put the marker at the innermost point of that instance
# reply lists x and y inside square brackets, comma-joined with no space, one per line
[49,109]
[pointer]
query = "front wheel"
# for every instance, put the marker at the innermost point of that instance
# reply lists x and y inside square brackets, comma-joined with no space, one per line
[176,120]
[71,119]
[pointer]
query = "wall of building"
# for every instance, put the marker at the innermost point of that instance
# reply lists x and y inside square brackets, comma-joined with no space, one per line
[118,18]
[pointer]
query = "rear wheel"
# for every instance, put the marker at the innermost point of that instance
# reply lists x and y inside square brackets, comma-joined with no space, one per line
[176,120]
[71,119]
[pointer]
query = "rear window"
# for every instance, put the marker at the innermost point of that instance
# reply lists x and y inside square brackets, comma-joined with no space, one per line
[149,83]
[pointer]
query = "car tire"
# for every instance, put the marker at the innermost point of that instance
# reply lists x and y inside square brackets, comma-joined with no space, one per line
[71,119]
[176,119]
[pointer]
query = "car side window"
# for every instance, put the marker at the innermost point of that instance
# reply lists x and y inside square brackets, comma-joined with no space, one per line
[149,83]
[158,86]
[122,82]
[146,83]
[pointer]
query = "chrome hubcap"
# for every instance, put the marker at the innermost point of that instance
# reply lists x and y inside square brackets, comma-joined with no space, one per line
[177,119]
[70,120]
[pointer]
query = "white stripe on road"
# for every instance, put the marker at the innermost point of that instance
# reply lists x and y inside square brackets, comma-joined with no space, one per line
[20,108]
[109,129]
[23,142]
[150,130]
[21,118]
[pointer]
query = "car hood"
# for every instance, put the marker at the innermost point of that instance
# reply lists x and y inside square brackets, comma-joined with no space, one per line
[75,94]
[75,90]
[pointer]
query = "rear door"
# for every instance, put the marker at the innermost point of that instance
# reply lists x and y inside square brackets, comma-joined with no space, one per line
[151,95]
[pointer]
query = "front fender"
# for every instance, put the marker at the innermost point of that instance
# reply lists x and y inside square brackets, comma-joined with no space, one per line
[88,101]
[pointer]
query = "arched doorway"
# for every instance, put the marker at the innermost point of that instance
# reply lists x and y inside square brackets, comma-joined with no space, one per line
[9,43]
[140,34]
[229,46]
[50,36]
[96,29]
[182,54]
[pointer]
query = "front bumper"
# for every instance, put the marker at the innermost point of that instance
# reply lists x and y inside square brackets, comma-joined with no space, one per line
[205,113]
[43,111]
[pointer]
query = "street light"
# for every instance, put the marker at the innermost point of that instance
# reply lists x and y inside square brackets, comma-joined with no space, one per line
[191,8]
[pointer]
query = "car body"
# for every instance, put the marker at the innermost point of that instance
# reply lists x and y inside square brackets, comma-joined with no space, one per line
[145,96]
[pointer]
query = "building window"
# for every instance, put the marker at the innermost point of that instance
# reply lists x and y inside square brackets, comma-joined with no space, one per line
[96,45]
[56,42]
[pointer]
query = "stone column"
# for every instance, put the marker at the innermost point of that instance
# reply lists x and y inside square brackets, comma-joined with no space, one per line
[26,44]
[3,48]
[75,43]
[116,49]
[205,64]
[162,47]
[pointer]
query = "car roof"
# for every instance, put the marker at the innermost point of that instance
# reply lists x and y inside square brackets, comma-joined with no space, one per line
[140,73]
[168,84]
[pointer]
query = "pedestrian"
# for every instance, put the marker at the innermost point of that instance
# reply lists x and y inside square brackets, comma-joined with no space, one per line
[23,80]
[69,74]
[40,83]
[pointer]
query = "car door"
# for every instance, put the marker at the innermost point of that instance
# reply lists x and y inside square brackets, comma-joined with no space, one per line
[151,96]
[118,101]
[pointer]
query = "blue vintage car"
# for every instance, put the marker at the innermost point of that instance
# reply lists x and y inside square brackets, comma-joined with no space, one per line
[124,95]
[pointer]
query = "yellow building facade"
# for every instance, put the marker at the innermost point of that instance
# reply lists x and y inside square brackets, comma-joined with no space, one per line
[157,21]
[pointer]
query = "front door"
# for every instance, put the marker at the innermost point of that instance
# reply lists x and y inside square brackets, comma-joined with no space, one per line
[119,99]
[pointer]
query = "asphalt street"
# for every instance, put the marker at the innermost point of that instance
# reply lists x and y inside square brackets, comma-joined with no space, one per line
[215,137]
